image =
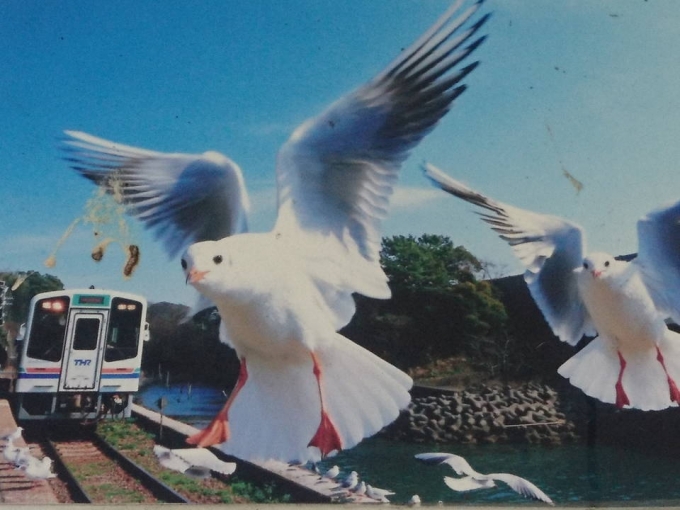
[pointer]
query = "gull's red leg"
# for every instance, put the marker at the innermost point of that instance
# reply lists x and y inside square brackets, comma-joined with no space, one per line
[675,393]
[217,430]
[327,437]
[621,397]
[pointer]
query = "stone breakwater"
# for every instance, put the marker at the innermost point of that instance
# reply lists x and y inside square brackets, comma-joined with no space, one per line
[528,413]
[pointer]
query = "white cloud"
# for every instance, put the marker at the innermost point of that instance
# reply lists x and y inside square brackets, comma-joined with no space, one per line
[412,197]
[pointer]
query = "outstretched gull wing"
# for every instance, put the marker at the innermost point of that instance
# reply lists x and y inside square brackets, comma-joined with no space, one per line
[550,248]
[458,463]
[659,257]
[337,171]
[182,198]
[468,483]
[521,486]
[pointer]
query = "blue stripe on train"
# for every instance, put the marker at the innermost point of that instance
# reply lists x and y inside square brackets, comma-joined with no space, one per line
[56,376]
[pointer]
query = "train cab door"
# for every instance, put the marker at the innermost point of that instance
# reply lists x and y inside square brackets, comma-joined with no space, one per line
[84,350]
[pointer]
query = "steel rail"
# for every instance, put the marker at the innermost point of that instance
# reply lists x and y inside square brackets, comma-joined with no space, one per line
[159,489]
[76,491]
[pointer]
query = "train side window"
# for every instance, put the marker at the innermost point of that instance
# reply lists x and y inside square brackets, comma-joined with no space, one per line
[48,329]
[125,321]
[86,336]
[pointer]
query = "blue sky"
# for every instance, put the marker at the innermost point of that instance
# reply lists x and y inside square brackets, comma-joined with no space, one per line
[582,85]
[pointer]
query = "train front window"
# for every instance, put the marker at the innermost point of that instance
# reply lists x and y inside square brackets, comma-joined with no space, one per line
[87,335]
[48,330]
[125,321]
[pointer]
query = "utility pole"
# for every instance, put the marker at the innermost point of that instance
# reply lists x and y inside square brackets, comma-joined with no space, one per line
[3,302]
[9,327]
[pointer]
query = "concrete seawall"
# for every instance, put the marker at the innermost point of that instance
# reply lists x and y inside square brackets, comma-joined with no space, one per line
[527,413]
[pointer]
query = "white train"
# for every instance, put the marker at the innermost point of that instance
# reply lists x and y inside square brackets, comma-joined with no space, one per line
[80,354]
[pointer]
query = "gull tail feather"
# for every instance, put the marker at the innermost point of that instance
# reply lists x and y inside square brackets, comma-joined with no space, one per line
[357,381]
[596,368]
[278,411]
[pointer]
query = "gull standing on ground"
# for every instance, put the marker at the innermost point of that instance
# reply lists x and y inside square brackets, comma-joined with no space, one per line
[197,462]
[473,480]
[303,390]
[23,457]
[11,451]
[14,435]
[351,481]
[635,359]
[360,489]
[378,494]
[38,469]
[332,472]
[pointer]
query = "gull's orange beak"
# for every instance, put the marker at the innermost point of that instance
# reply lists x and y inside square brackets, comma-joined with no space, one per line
[195,275]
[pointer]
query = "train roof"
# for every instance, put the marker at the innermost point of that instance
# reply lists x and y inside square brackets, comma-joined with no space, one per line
[90,292]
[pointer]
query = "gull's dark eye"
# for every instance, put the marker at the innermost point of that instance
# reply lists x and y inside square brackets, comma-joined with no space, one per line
[184,264]
[606,263]
[585,265]
[217,259]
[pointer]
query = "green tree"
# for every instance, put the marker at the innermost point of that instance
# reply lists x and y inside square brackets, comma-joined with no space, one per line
[438,308]
[428,262]
[33,283]
[24,285]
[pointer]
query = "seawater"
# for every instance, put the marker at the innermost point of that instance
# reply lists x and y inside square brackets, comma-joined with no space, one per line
[195,404]
[569,474]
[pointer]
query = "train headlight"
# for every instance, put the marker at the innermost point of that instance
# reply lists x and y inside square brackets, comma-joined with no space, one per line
[54,305]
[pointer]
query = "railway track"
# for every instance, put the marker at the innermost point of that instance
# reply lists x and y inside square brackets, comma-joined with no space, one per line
[95,472]
[122,469]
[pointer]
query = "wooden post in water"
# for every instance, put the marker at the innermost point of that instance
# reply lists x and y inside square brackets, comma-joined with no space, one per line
[161,403]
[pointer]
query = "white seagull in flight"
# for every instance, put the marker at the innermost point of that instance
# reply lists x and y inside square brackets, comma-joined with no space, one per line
[303,390]
[197,462]
[472,480]
[635,359]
